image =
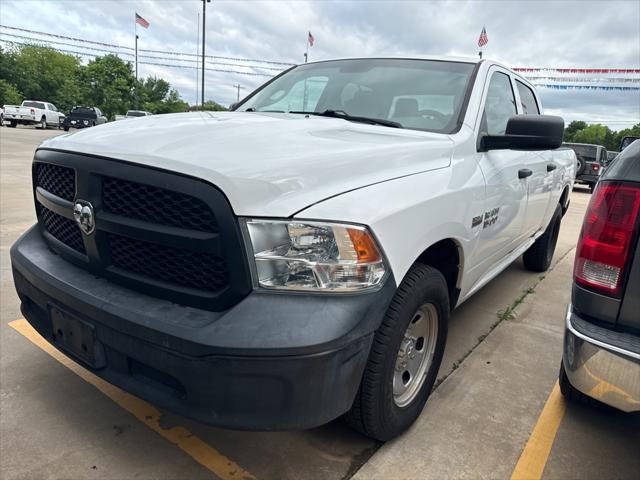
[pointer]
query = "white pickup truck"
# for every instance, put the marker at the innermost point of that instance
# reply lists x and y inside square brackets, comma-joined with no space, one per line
[297,259]
[33,112]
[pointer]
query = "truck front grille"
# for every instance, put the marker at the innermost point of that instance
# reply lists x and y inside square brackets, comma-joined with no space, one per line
[156,205]
[161,233]
[63,229]
[61,181]
[201,271]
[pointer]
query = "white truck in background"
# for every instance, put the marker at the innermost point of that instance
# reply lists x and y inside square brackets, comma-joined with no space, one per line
[33,112]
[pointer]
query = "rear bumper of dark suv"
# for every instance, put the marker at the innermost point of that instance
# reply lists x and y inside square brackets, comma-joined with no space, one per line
[602,363]
[271,362]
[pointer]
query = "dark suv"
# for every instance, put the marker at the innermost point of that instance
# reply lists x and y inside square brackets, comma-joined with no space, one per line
[601,358]
[83,117]
[591,160]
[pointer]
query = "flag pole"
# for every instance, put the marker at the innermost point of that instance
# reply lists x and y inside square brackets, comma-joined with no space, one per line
[306,53]
[135,29]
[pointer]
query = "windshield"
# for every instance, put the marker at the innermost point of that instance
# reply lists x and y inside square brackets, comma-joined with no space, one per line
[417,94]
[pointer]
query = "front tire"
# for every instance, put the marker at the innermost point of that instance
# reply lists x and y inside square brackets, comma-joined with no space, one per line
[405,357]
[539,255]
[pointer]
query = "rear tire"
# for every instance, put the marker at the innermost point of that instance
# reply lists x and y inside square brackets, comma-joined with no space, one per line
[387,402]
[539,255]
[13,124]
[592,187]
[66,129]
[43,123]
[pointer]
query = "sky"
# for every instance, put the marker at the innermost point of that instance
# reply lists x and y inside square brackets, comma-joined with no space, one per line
[558,34]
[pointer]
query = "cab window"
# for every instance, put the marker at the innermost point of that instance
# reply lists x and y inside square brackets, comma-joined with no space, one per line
[527,99]
[499,106]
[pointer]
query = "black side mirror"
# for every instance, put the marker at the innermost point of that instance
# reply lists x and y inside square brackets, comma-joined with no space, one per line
[527,132]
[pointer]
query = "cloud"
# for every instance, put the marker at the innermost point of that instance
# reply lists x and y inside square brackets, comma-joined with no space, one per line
[523,33]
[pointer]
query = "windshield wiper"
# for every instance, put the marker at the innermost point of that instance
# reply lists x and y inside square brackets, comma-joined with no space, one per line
[353,118]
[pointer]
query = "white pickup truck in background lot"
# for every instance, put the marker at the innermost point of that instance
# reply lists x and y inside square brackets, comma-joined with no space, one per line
[31,112]
[297,259]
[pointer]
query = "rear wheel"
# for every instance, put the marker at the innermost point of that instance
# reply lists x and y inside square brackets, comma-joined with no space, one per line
[66,129]
[13,124]
[539,255]
[43,123]
[592,187]
[405,357]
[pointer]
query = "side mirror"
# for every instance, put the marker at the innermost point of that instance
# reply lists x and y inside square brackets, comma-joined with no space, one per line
[527,132]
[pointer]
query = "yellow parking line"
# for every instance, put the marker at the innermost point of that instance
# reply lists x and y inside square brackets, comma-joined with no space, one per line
[536,453]
[145,412]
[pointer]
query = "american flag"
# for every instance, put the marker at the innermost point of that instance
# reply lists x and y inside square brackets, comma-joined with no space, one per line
[141,21]
[310,39]
[483,40]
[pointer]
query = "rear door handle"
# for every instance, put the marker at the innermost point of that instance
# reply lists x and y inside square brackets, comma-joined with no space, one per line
[524,173]
[551,167]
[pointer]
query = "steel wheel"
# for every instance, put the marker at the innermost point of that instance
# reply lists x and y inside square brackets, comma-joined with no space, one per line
[415,355]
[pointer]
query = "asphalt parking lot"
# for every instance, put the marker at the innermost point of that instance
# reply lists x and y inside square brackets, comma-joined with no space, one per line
[494,414]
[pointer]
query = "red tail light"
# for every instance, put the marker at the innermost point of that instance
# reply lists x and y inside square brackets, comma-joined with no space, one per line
[606,239]
[33,112]
[595,167]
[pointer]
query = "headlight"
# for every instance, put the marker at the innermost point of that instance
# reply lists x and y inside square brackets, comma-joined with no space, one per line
[314,256]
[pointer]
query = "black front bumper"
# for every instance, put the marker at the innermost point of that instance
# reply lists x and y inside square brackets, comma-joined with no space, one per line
[272,362]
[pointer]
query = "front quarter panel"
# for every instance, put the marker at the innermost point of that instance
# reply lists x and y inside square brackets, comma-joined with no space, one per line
[409,214]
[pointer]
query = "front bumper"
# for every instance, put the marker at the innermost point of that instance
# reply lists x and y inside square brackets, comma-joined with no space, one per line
[272,362]
[602,363]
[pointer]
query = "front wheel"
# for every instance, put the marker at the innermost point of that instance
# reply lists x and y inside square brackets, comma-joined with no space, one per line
[405,356]
[539,255]
[65,128]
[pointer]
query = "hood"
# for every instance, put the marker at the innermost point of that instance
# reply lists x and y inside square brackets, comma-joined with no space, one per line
[266,164]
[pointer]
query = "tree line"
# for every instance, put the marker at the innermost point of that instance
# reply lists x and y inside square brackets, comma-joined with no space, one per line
[597,134]
[34,72]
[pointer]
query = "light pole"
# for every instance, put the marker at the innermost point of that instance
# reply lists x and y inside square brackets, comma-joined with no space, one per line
[204,24]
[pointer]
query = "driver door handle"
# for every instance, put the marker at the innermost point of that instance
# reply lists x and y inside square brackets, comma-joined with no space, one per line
[551,167]
[524,173]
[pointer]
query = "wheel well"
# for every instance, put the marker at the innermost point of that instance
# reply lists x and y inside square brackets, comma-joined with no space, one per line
[445,257]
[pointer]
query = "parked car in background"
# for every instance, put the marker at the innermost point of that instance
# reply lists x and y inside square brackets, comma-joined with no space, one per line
[626,141]
[83,117]
[601,358]
[319,252]
[133,113]
[33,112]
[590,161]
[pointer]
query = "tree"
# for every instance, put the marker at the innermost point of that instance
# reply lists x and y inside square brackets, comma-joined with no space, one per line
[156,96]
[628,132]
[572,129]
[209,105]
[42,73]
[596,134]
[109,83]
[9,94]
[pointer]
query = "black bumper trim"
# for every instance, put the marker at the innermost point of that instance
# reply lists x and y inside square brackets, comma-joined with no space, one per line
[272,362]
